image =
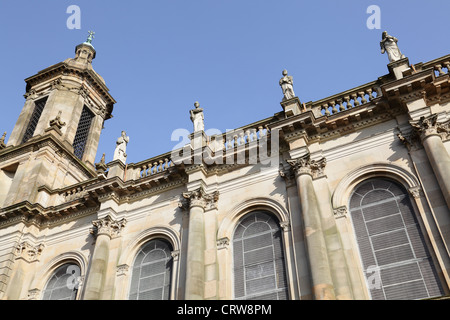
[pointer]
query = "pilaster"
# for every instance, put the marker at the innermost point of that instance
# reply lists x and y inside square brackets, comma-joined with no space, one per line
[431,133]
[104,230]
[305,169]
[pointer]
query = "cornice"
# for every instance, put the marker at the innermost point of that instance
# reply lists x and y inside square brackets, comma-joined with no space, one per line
[47,140]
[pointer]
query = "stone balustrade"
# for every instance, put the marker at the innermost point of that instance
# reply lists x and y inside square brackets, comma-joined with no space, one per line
[151,166]
[440,66]
[239,137]
[346,100]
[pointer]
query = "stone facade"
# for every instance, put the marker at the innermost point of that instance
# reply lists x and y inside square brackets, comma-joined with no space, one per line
[301,167]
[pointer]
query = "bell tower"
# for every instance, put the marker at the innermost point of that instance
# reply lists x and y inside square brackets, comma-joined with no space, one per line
[54,142]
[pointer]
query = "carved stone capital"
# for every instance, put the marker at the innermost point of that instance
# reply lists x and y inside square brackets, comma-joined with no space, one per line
[285,225]
[410,140]
[223,243]
[122,270]
[416,192]
[341,212]
[199,198]
[175,255]
[34,294]
[427,126]
[28,252]
[108,226]
[304,165]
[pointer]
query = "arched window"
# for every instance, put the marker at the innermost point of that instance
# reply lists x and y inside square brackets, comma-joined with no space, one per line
[259,268]
[152,269]
[63,285]
[396,261]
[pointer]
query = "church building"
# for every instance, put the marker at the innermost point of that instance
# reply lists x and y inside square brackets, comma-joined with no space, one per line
[344,198]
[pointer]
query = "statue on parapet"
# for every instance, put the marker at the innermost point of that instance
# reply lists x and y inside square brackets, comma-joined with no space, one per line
[197,117]
[121,147]
[287,85]
[389,45]
[2,141]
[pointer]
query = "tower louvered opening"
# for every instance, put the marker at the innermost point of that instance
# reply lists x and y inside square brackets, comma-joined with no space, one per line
[259,267]
[81,137]
[397,263]
[35,116]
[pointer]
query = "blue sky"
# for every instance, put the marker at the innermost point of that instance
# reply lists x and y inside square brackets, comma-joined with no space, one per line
[159,57]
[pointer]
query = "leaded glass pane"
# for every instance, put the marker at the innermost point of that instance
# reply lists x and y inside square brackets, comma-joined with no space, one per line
[152,271]
[63,285]
[391,243]
[259,269]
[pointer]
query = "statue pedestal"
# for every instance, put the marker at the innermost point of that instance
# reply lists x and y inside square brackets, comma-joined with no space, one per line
[116,169]
[398,67]
[198,140]
[291,107]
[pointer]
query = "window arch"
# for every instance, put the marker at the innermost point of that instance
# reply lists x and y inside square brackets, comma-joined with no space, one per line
[64,283]
[151,274]
[395,258]
[258,259]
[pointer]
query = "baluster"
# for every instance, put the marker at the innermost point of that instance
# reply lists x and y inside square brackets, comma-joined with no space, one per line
[241,138]
[154,167]
[235,142]
[325,107]
[143,171]
[254,134]
[333,107]
[160,166]
[363,97]
[369,92]
[347,101]
[166,164]
[261,132]
[341,104]
[355,100]
[229,145]
[447,65]
[248,133]
[439,69]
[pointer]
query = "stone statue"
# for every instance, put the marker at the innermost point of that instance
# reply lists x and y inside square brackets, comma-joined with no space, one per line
[389,44]
[286,84]
[2,141]
[121,147]
[197,117]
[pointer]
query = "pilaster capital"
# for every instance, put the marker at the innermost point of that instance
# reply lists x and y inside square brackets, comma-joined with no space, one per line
[341,212]
[28,252]
[122,270]
[175,255]
[34,294]
[285,225]
[428,126]
[416,192]
[199,198]
[108,226]
[223,243]
[304,165]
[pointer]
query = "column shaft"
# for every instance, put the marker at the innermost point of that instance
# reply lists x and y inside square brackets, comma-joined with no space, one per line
[195,254]
[440,162]
[315,240]
[97,272]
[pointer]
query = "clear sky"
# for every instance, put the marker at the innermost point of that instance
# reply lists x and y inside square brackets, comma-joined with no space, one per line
[159,57]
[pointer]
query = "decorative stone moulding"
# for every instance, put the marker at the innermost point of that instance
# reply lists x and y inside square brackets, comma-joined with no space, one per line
[199,198]
[108,226]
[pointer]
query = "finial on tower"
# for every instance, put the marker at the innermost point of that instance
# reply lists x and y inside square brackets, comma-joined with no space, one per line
[90,37]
